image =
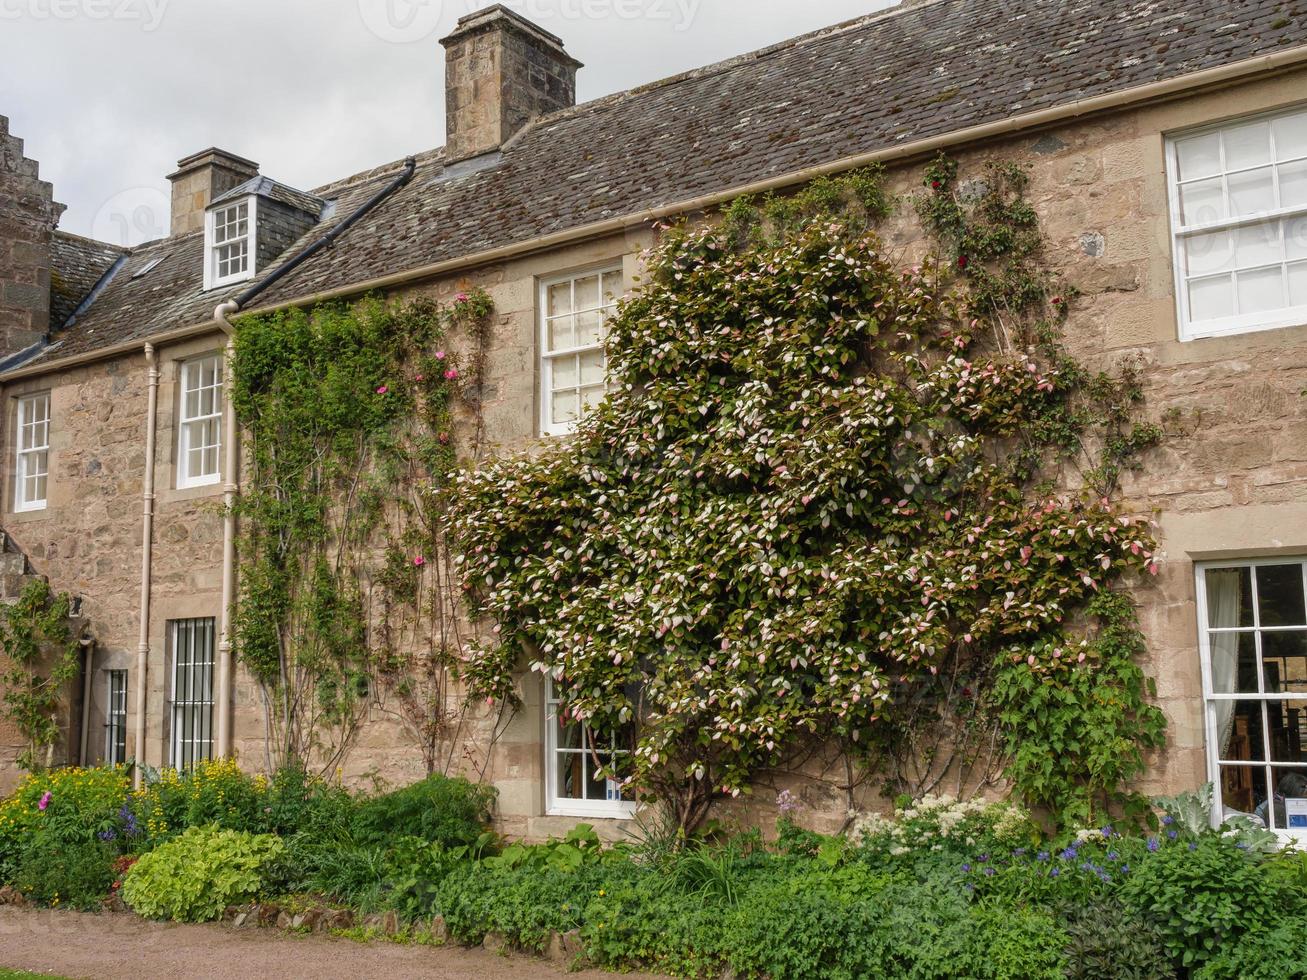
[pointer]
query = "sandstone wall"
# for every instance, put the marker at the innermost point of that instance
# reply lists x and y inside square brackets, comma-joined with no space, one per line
[1230,480]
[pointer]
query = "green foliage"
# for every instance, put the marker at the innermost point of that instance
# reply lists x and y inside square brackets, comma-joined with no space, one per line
[81,804]
[1201,894]
[1105,942]
[1076,728]
[445,811]
[193,877]
[800,511]
[62,873]
[1265,954]
[349,422]
[42,650]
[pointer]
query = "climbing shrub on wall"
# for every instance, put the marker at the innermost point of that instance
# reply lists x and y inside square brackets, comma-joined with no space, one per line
[37,639]
[346,593]
[821,502]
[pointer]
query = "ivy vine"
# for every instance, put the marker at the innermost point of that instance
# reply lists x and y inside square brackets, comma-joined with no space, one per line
[833,498]
[37,639]
[353,419]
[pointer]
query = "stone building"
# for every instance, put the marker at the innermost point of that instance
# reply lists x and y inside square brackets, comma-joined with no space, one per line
[1167,144]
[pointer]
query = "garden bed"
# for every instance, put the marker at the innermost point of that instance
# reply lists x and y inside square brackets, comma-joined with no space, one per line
[942,889]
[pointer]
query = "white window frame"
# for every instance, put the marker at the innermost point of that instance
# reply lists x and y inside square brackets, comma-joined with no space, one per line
[191,690]
[556,806]
[1191,329]
[188,426]
[115,717]
[548,357]
[32,461]
[212,279]
[1211,698]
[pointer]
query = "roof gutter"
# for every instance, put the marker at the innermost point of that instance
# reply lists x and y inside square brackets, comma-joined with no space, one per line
[1209,78]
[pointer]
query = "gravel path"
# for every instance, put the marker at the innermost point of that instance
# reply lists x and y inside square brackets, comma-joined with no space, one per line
[124,947]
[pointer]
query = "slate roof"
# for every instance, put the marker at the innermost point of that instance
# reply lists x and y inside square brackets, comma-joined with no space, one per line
[893,77]
[76,266]
[276,191]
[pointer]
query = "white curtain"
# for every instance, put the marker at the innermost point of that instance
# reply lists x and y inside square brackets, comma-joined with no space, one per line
[1223,610]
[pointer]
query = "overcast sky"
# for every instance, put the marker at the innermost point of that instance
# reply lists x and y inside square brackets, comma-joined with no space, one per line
[109,94]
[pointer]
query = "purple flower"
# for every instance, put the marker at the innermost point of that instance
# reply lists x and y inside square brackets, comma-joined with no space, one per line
[1172,835]
[1193,846]
[966,869]
[45,800]
[1042,856]
[1054,873]
[1107,831]
[1112,855]
[107,835]
[1154,844]
[1168,820]
[989,871]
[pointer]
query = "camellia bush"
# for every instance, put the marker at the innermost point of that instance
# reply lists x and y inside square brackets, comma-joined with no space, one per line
[823,491]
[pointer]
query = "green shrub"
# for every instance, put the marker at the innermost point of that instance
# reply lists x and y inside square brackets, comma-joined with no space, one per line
[445,811]
[1201,894]
[1105,942]
[56,872]
[193,877]
[1265,954]
[81,804]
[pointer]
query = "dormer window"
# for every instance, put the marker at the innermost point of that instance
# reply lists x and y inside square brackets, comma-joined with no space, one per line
[229,243]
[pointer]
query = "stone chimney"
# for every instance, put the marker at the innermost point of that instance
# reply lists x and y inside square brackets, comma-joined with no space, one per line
[28,215]
[502,72]
[199,179]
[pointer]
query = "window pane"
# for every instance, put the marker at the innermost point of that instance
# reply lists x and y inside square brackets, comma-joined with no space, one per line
[1234,662]
[1210,299]
[1298,284]
[564,407]
[590,397]
[1293,184]
[612,288]
[1247,146]
[191,409]
[1280,595]
[1290,136]
[1212,252]
[1202,202]
[587,293]
[562,333]
[1251,193]
[589,328]
[565,372]
[592,367]
[1241,730]
[1287,723]
[1257,245]
[560,299]
[1261,290]
[1284,661]
[1199,156]
[1295,238]
[1243,789]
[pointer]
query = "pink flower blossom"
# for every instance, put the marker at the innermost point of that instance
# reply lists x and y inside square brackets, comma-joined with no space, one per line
[45,800]
[419,561]
[420,378]
[383,389]
[440,355]
[461,298]
[451,374]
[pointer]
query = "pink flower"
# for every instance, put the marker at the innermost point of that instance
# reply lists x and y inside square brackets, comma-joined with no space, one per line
[451,374]
[419,561]
[382,390]
[440,355]
[420,378]
[461,298]
[45,800]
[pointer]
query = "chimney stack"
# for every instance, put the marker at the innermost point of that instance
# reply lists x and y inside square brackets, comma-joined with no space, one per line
[199,179]
[28,216]
[502,72]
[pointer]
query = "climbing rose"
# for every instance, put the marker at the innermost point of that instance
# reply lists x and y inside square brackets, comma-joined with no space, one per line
[419,561]
[382,390]
[440,355]
[451,374]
